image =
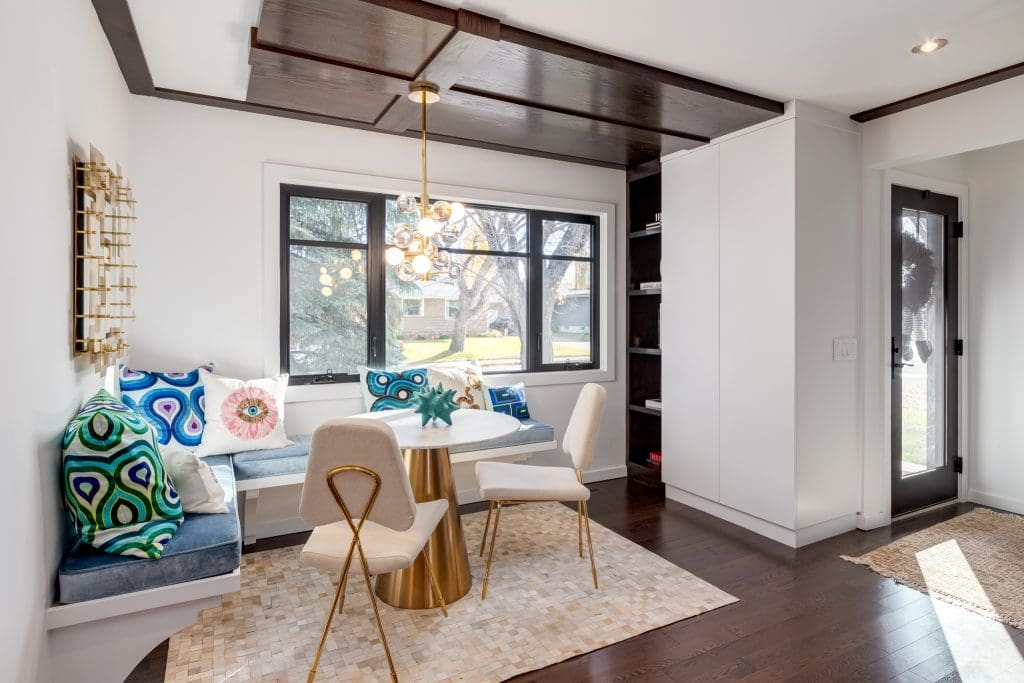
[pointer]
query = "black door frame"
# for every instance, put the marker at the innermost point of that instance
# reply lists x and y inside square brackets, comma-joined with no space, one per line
[941,484]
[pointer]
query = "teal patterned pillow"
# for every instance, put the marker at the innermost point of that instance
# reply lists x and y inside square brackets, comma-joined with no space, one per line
[390,390]
[115,485]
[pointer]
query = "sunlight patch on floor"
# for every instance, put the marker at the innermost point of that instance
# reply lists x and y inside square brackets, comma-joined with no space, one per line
[981,647]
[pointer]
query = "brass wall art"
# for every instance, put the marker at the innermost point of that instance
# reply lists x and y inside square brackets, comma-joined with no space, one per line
[104,279]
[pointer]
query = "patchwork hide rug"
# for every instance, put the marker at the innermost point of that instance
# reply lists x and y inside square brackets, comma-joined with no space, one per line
[541,608]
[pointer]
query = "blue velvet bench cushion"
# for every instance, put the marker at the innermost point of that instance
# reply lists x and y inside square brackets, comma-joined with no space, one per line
[273,462]
[204,546]
[531,431]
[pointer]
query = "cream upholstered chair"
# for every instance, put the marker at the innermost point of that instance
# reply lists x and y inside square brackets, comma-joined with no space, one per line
[358,497]
[505,483]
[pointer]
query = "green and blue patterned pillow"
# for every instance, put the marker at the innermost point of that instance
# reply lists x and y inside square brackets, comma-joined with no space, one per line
[115,486]
[390,389]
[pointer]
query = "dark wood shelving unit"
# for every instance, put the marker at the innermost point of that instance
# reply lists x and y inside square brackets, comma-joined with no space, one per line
[643,335]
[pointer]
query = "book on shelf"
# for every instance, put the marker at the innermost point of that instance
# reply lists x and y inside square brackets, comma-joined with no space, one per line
[653,226]
[653,403]
[650,285]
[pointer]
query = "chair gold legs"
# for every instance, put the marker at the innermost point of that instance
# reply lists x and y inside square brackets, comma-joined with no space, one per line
[579,525]
[582,523]
[487,525]
[590,544]
[490,555]
[434,585]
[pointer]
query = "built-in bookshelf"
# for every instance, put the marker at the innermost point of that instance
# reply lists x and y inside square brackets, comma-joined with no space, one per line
[643,333]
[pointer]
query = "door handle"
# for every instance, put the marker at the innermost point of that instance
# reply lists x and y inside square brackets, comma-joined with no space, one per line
[903,365]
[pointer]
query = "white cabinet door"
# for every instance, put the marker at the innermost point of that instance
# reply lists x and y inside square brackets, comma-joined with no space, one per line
[757,325]
[689,332]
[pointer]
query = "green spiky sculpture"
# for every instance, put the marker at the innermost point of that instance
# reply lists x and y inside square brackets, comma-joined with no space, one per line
[433,403]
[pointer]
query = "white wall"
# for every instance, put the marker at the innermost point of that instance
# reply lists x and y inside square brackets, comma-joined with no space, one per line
[970,121]
[62,91]
[199,178]
[995,326]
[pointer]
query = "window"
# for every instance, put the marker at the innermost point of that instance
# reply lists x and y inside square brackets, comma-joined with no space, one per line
[526,301]
[412,308]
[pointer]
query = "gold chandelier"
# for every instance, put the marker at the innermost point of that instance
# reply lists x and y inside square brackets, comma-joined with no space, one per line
[419,250]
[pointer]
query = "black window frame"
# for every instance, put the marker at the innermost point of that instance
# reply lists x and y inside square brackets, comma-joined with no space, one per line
[376,289]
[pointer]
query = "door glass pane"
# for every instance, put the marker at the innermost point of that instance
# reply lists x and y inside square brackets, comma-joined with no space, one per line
[480,317]
[566,312]
[923,342]
[313,218]
[327,299]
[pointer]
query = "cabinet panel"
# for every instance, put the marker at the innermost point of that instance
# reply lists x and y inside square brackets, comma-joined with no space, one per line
[690,322]
[757,323]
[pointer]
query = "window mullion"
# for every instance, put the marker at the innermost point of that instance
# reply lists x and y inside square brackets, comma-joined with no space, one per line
[376,290]
[535,293]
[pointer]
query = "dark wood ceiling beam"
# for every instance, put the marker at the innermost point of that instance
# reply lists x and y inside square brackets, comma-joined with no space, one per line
[940,93]
[332,71]
[572,112]
[474,36]
[542,43]
[285,112]
[116,19]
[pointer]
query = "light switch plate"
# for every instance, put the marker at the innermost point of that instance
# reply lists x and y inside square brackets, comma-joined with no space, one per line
[844,348]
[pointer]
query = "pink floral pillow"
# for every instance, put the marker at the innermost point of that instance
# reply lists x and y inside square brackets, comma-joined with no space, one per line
[243,416]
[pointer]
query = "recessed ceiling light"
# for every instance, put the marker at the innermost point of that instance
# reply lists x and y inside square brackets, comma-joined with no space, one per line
[929,46]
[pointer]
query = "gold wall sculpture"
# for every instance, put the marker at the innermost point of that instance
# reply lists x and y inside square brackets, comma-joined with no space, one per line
[104,279]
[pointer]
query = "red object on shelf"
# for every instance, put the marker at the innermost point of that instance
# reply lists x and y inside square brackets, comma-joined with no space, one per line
[654,458]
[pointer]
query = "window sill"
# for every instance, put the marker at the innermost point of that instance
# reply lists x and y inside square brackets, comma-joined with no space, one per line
[308,393]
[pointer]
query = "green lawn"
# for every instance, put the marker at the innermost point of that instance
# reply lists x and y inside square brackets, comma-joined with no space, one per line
[482,349]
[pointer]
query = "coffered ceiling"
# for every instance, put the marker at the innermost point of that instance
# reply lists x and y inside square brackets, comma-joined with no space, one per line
[606,82]
[351,62]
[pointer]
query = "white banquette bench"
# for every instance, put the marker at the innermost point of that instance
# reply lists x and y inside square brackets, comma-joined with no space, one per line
[113,610]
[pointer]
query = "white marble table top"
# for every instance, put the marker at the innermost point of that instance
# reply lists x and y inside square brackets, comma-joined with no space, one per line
[468,426]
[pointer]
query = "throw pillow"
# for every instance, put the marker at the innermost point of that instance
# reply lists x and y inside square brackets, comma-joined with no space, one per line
[465,378]
[195,482]
[115,487]
[390,389]
[243,416]
[173,402]
[510,400]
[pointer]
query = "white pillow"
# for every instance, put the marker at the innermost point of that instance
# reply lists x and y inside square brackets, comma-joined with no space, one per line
[243,416]
[467,379]
[194,481]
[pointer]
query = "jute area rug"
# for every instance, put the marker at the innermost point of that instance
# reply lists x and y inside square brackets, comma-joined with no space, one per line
[541,608]
[975,560]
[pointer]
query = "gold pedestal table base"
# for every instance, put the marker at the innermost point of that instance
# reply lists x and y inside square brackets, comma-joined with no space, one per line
[430,473]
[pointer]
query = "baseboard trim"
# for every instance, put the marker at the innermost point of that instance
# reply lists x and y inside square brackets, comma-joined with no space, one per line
[997,501]
[872,520]
[794,538]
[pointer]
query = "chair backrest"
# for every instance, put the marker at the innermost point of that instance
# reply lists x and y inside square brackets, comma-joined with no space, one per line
[581,434]
[366,443]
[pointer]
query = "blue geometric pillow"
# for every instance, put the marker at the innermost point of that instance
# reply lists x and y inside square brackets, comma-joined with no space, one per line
[115,485]
[173,402]
[387,390]
[510,400]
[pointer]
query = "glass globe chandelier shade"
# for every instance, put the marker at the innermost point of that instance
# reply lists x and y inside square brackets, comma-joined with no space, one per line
[419,244]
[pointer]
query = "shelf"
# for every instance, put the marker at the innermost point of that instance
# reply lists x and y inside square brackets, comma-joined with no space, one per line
[645,410]
[645,292]
[639,350]
[646,232]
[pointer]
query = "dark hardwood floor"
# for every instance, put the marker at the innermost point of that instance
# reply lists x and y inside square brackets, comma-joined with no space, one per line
[803,614]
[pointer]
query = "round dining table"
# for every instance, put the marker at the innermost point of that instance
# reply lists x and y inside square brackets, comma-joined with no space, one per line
[425,452]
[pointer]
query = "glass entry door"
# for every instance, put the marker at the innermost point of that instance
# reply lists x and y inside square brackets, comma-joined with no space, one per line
[924,353]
